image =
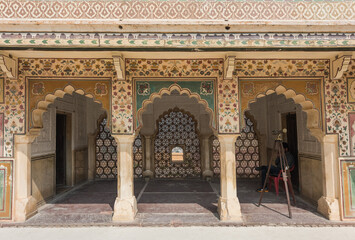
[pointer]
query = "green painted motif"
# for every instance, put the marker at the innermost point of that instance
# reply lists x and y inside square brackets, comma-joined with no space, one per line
[2,188]
[204,88]
[352,186]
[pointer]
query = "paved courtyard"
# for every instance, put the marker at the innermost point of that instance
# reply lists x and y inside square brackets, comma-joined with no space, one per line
[173,203]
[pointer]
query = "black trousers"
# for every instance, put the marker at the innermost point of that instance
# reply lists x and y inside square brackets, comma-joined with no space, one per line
[274,171]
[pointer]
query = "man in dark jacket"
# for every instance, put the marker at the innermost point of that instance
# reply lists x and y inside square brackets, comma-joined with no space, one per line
[274,170]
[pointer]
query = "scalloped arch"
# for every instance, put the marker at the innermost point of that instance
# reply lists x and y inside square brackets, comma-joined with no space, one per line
[168,91]
[42,106]
[313,120]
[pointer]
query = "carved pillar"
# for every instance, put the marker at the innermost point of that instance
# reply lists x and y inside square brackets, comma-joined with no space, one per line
[228,203]
[25,204]
[91,156]
[125,208]
[149,164]
[263,149]
[206,157]
[328,204]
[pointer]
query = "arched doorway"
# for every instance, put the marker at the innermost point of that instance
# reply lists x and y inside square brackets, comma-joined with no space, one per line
[314,151]
[175,127]
[60,147]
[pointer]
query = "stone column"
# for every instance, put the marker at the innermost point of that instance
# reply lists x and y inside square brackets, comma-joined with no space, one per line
[91,156]
[228,203]
[125,208]
[25,204]
[328,204]
[206,159]
[149,164]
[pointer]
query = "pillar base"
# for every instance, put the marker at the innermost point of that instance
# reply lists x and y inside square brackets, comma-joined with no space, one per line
[148,173]
[329,208]
[125,209]
[207,174]
[25,208]
[229,209]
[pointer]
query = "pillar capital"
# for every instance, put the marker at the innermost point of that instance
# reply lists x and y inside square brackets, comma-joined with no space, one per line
[228,138]
[124,139]
[29,137]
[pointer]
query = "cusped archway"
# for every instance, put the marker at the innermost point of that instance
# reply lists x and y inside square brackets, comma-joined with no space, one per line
[175,89]
[42,106]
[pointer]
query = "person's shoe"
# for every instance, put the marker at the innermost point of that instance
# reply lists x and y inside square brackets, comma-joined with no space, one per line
[260,190]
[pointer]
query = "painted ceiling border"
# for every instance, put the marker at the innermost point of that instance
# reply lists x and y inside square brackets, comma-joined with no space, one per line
[178,40]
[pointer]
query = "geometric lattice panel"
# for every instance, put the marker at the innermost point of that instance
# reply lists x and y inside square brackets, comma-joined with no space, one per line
[106,153]
[138,157]
[247,152]
[216,157]
[177,127]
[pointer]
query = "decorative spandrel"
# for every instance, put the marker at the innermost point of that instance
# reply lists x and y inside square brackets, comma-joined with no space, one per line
[177,133]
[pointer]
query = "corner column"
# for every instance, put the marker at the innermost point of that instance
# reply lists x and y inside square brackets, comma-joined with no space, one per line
[25,203]
[205,154]
[228,203]
[125,208]
[148,172]
[328,204]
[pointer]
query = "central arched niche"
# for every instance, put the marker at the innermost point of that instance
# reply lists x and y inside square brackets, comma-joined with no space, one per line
[185,103]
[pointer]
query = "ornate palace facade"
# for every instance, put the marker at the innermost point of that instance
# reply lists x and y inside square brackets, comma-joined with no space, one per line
[111,88]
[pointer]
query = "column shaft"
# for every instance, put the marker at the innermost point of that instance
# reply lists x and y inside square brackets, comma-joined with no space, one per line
[25,204]
[228,203]
[148,172]
[328,204]
[206,160]
[125,208]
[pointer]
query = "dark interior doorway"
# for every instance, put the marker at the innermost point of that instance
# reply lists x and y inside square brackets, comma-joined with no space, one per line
[61,120]
[291,126]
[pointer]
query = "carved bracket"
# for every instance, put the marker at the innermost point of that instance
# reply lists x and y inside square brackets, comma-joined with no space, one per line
[118,61]
[229,67]
[340,65]
[8,66]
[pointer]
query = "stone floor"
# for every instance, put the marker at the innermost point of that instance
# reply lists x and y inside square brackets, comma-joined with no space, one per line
[173,203]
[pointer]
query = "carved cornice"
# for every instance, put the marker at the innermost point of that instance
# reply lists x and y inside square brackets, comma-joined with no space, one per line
[8,66]
[118,61]
[340,65]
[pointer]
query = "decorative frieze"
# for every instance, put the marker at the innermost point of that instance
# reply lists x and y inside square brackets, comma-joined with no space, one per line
[177,40]
[241,10]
